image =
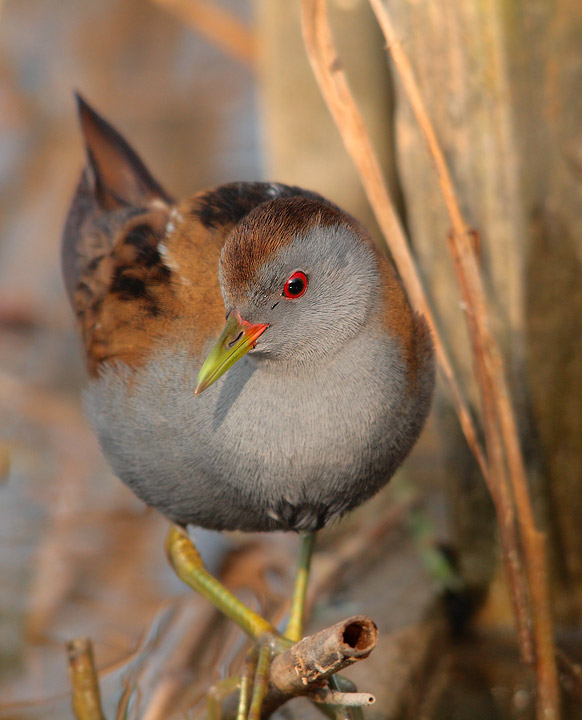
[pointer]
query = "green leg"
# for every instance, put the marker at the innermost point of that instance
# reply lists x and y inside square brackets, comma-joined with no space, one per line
[188,565]
[294,630]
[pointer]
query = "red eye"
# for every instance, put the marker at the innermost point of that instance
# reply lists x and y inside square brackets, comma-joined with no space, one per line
[296,285]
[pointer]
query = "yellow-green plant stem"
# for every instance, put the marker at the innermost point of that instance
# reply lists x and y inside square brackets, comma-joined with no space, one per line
[261,684]
[246,679]
[216,695]
[294,630]
[188,565]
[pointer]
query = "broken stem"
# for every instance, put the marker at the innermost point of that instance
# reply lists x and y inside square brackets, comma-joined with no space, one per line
[86,698]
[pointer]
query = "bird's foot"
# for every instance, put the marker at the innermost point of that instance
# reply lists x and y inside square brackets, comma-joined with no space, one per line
[280,666]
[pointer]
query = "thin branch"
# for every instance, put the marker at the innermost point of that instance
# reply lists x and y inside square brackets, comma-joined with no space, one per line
[493,385]
[346,699]
[218,25]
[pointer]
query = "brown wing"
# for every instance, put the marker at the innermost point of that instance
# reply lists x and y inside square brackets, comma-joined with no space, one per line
[114,185]
[137,267]
[124,297]
[112,270]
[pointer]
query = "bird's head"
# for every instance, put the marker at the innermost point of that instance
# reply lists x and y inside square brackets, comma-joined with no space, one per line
[299,278]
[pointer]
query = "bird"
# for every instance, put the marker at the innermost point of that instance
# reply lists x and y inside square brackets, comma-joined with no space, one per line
[254,362]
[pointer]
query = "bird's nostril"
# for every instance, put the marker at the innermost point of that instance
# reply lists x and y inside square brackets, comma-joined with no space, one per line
[236,339]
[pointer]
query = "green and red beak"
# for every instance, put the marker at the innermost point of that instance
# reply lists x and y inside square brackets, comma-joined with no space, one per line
[237,338]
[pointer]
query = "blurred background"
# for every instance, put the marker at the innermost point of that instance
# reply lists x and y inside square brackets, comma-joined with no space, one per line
[213,92]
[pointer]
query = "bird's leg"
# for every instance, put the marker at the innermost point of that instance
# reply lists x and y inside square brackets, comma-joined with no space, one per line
[188,566]
[294,629]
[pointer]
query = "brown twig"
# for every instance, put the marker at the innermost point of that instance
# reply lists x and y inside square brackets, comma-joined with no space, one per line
[217,24]
[317,657]
[84,680]
[499,421]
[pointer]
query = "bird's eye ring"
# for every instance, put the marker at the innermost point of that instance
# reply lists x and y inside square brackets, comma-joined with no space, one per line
[296,285]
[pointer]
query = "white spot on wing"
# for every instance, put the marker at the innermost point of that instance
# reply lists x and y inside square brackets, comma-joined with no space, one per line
[174,218]
[274,190]
[166,259]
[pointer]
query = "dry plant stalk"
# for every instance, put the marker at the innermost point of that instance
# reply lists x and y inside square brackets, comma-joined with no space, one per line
[217,24]
[501,426]
[84,679]
[503,451]
[305,668]
[317,657]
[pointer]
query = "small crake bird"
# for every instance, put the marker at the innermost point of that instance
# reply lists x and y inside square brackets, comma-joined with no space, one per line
[330,371]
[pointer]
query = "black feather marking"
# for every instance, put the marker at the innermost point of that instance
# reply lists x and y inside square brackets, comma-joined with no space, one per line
[229,204]
[302,517]
[145,241]
[127,286]
[138,278]
[94,263]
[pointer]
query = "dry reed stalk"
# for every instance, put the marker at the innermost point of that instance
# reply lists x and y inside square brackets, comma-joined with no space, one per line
[218,25]
[84,680]
[499,421]
[500,414]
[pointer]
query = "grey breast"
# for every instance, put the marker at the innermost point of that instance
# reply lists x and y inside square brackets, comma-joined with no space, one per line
[258,450]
